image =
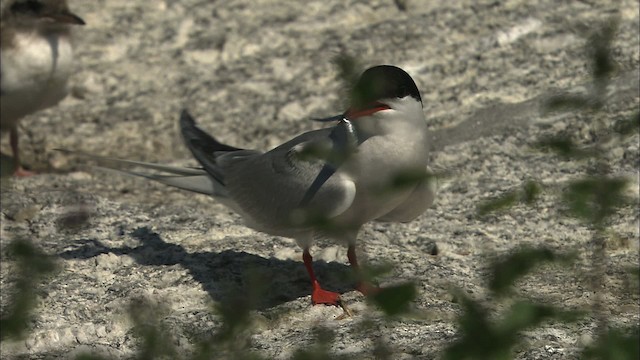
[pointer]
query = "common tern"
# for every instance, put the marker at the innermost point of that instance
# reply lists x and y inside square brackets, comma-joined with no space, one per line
[36,60]
[324,183]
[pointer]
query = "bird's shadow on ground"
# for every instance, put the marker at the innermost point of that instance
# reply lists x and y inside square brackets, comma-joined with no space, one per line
[228,274]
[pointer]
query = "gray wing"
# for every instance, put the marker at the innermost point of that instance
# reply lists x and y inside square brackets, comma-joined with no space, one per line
[270,187]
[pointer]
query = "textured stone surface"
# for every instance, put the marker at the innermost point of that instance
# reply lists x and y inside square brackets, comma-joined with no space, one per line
[252,72]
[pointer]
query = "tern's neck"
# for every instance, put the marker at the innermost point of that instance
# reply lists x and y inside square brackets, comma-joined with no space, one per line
[12,31]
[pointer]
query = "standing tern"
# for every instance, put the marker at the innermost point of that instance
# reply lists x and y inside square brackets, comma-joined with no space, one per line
[36,60]
[321,184]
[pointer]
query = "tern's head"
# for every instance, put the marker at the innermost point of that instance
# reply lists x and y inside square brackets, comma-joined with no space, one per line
[46,15]
[378,89]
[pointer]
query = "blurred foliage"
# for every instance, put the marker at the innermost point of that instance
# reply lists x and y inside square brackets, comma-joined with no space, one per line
[230,341]
[32,266]
[617,344]
[602,62]
[505,272]
[349,70]
[565,102]
[371,272]
[565,148]
[594,198]
[503,202]
[410,178]
[483,338]
[153,336]
[627,127]
[321,349]
[482,334]
[74,221]
[602,66]
[527,194]
[235,311]
[394,299]
[598,196]
[233,338]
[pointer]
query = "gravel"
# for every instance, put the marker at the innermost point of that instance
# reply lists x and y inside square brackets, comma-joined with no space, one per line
[253,72]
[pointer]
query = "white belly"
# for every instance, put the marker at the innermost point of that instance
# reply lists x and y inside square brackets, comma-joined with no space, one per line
[376,196]
[35,76]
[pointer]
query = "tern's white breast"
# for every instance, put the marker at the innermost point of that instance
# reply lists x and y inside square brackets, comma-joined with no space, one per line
[34,74]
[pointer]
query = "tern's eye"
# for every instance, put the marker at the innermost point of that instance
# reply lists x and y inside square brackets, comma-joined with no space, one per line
[24,7]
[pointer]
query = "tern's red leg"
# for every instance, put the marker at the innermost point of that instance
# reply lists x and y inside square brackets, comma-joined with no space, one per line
[319,295]
[13,139]
[363,286]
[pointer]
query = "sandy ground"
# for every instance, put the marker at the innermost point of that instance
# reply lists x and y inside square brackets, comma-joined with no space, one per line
[253,72]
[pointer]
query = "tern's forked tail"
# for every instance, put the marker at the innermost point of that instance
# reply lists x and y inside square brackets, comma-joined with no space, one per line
[203,146]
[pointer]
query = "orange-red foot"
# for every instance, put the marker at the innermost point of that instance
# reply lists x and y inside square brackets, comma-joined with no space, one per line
[367,289]
[322,296]
[22,172]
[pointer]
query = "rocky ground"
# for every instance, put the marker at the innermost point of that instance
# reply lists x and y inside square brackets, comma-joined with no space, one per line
[253,72]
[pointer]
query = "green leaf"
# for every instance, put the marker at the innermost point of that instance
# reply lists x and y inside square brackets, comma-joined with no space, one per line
[528,194]
[481,338]
[566,102]
[394,300]
[348,69]
[475,319]
[236,309]
[505,272]
[320,350]
[34,260]
[525,314]
[32,266]
[410,178]
[154,338]
[629,126]
[503,202]
[478,339]
[531,191]
[595,198]
[564,147]
[402,180]
[371,272]
[617,344]
[600,42]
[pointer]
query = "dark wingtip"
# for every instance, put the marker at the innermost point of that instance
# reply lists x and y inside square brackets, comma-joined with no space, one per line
[197,139]
[186,118]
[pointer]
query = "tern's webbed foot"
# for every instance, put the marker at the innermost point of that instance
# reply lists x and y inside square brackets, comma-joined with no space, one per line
[22,172]
[322,296]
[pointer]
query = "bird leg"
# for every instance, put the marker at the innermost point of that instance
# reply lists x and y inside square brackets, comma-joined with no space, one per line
[319,295]
[365,287]
[13,140]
